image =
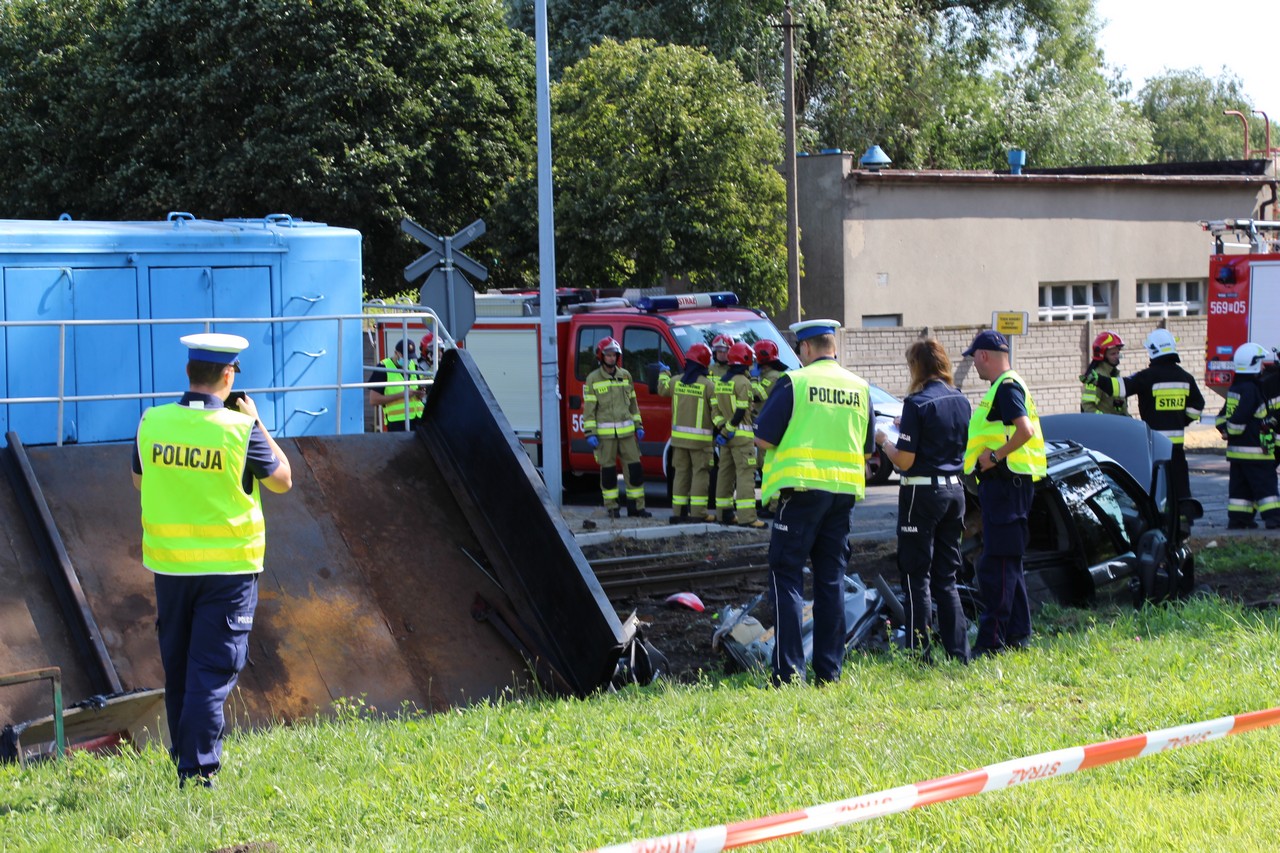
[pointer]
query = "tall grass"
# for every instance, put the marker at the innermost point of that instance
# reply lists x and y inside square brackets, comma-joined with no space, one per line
[563,775]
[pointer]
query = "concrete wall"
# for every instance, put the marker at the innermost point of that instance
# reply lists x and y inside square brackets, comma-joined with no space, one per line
[1049,357]
[951,247]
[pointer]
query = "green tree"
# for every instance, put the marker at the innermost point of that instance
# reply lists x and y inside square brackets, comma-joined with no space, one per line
[355,113]
[1185,110]
[665,166]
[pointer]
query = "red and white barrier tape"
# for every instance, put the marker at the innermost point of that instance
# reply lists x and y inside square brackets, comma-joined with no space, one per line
[993,777]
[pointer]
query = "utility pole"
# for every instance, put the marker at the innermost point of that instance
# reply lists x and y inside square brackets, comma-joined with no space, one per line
[789,131]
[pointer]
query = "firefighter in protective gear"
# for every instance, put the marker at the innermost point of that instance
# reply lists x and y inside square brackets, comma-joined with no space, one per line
[611,420]
[1104,390]
[1006,451]
[1252,482]
[720,354]
[426,353]
[736,481]
[693,407]
[1270,383]
[766,373]
[815,431]
[1169,400]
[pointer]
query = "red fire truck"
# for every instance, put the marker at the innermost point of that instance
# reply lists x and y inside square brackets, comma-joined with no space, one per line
[651,329]
[1243,294]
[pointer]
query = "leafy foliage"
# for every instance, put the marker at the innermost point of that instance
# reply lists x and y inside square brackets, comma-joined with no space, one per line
[356,113]
[665,167]
[1185,109]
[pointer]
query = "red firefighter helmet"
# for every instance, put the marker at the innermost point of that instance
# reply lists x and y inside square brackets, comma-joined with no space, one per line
[740,354]
[424,346]
[608,345]
[700,353]
[722,341]
[1105,341]
[766,351]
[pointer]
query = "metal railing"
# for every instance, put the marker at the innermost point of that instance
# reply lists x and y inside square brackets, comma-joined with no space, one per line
[368,319]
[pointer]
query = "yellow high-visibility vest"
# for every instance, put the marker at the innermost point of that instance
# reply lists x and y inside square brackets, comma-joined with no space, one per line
[822,447]
[393,413]
[196,516]
[987,435]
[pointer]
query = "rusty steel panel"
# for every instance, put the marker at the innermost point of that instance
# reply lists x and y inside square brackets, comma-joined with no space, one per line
[367,590]
[33,634]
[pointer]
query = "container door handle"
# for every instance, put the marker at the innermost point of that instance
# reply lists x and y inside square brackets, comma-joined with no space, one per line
[320,354]
[323,411]
[319,297]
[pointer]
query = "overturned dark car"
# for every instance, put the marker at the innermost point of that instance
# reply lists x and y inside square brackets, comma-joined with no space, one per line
[1103,519]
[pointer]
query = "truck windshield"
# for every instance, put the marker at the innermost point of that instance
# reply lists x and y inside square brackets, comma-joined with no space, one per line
[747,331]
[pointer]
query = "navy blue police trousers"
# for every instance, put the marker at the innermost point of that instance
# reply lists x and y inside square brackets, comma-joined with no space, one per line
[203,622]
[809,525]
[930,526]
[1006,614]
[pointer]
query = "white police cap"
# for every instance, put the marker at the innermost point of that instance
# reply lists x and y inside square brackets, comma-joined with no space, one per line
[814,328]
[215,347]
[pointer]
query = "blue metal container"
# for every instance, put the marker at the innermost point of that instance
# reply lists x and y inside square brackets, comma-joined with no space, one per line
[253,271]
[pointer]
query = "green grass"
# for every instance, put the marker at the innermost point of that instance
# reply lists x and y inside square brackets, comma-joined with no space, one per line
[1259,553]
[564,775]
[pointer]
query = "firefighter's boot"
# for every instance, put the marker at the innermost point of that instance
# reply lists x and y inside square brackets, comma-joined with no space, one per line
[638,512]
[681,517]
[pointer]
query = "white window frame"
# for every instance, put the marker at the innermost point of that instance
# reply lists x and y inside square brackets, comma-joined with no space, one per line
[1170,298]
[1076,300]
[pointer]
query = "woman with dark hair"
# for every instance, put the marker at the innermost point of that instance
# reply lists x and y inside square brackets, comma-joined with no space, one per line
[929,451]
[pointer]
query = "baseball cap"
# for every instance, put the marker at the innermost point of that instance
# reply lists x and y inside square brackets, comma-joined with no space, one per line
[400,344]
[988,339]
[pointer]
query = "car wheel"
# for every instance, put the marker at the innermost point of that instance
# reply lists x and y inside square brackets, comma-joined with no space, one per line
[879,469]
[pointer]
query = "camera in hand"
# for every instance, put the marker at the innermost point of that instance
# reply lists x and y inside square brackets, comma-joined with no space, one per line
[233,400]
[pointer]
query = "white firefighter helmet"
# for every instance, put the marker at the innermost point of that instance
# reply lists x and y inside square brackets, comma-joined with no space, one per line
[1160,342]
[1249,358]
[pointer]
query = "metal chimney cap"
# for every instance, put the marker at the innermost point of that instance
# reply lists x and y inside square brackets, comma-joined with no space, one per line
[874,159]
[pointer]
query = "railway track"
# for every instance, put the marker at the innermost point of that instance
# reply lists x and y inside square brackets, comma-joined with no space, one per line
[680,571]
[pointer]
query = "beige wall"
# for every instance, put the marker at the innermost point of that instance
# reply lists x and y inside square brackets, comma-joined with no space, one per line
[949,248]
[1049,357]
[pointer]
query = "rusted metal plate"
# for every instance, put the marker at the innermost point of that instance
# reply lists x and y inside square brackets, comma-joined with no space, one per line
[33,634]
[373,564]
[367,591]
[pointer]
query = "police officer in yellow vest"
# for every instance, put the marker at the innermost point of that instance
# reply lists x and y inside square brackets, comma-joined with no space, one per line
[1006,450]
[198,464]
[400,371]
[814,429]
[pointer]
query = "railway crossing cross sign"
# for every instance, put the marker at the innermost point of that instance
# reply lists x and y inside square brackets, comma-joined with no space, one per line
[450,296]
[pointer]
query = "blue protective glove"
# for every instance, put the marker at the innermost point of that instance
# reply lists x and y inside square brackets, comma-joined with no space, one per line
[593,442]
[639,433]
[722,440]
[663,367]
[755,371]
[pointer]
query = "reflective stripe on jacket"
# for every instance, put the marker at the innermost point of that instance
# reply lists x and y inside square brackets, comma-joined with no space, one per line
[822,447]
[609,406]
[987,435]
[196,516]
[692,409]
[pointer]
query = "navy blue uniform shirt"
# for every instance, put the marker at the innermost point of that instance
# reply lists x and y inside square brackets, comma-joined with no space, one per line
[935,427]
[261,461]
[1010,403]
[776,415]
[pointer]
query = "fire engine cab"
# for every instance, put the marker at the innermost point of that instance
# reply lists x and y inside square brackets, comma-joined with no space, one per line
[652,329]
[1243,292]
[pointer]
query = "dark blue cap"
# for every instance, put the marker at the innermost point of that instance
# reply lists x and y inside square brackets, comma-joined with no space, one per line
[988,339]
